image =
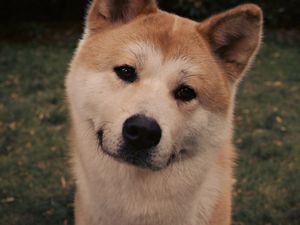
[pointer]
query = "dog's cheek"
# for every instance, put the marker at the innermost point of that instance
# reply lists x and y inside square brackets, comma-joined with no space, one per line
[206,131]
[194,128]
[103,106]
[218,131]
[99,96]
[77,91]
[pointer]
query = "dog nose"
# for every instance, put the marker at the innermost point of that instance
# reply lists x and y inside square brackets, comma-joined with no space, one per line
[141,132]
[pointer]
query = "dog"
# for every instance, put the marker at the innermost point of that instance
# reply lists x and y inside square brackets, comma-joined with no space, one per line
[151,100]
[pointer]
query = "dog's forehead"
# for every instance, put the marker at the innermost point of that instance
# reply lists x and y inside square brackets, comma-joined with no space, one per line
[174,35]
[164,38]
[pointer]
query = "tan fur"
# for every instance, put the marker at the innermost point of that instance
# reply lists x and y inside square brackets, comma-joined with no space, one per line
[166,51]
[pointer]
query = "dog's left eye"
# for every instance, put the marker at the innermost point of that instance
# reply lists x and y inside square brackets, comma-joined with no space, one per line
[126,73]
[185,93]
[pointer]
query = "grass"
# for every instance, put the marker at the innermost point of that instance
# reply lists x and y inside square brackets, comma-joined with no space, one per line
[35,185]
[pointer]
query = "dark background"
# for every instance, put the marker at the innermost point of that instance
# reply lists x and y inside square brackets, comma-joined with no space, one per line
[62,20]
[278,13]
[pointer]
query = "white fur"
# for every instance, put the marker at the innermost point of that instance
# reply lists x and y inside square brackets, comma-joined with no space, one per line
[115,193]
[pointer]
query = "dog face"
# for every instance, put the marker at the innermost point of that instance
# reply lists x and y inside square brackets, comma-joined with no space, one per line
[155,87]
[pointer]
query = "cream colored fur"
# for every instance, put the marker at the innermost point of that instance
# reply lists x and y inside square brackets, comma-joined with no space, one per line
[196,188]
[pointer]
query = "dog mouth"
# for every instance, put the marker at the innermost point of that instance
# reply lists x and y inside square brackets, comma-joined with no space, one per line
[139,157]
[176,156]
[100,137]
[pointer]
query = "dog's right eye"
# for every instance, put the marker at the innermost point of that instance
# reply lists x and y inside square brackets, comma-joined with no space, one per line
[126,73]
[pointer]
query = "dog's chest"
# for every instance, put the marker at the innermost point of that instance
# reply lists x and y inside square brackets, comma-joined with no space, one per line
[126,205]
[124,217]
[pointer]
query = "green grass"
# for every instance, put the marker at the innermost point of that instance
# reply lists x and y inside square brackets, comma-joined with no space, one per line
[35,185]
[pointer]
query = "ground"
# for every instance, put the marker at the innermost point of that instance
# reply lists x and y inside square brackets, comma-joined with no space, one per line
[35,183]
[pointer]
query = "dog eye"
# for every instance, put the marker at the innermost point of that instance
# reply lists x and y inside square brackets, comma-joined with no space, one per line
[126,73]
[185,93]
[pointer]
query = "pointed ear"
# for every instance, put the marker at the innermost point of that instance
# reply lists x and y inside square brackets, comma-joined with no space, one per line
[234,37]
[106,12]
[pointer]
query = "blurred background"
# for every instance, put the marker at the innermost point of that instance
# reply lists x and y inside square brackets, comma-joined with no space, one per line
[37,39]
[36,19]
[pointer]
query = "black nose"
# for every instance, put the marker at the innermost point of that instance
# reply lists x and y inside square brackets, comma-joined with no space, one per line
[141,132]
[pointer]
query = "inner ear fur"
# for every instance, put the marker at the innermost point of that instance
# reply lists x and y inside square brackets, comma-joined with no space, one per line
[234,37]
[106,12]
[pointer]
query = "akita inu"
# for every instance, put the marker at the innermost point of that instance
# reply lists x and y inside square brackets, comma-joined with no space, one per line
[151,100]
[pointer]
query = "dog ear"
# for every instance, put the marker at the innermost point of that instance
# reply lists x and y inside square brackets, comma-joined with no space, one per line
[103,13]
[234,37]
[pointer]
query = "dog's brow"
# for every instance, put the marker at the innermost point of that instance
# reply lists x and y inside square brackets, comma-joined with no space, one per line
[143,51]
[139,56]
[186,66]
